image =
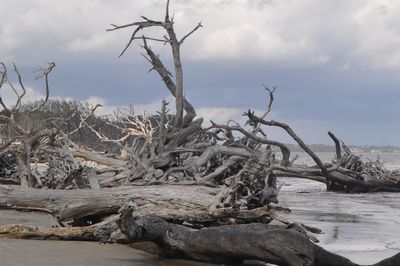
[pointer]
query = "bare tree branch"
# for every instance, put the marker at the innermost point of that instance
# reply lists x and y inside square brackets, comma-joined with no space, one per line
[45,73]
[3,73]
[291,133]
[140,26]
[337,145]
[190,33]
[167,11]
[285,151]
[164,41]
[271,100]
[19,99]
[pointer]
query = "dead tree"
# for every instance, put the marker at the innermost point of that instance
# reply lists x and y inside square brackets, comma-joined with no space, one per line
[347,174]
[176,88]
[25,136]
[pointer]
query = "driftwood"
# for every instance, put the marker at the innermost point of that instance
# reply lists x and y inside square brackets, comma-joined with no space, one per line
[175,203]
[235,243]
[168,202]
[348,174]
[105,232]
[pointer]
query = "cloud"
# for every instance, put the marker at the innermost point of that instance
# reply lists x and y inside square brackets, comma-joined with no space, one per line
[378,34]
[219,114]
[256,31]
[293,33]
[90,44]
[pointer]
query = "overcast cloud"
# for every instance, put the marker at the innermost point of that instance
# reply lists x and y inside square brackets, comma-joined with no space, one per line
[336,62]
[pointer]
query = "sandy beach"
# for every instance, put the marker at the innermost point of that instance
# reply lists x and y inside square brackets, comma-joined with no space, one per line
[362,227]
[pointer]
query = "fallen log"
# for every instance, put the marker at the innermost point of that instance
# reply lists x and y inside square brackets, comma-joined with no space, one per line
[174,203]
[168,201]
[235,243]
[104,232]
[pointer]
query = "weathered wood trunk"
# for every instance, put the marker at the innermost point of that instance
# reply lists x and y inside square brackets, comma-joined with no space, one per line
[235,243]
[170,201]
[106,232]
[340,181]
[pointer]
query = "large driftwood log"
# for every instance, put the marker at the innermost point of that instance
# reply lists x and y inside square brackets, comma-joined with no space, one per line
[170,202]
[175,203]
[235,243]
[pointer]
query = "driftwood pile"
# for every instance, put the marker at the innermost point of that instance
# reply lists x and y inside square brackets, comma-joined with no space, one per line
[206,194]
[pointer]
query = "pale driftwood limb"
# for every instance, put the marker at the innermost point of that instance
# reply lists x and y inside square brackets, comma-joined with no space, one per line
[93,180]
[96,157]
[105,232]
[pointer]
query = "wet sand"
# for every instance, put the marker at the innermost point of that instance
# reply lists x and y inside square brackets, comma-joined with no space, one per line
[73,253]
[67,253]
[363,227]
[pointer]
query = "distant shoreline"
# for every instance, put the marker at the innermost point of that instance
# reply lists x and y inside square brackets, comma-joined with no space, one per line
[355,152]
[368,149]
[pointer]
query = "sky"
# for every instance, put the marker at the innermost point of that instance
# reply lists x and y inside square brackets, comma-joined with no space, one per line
[335,63]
